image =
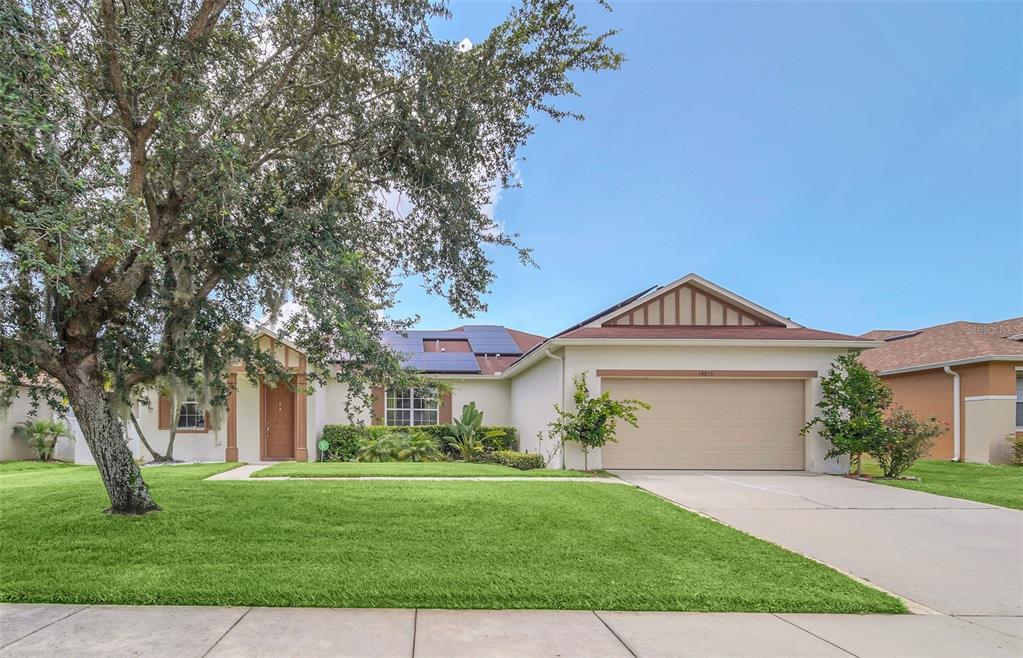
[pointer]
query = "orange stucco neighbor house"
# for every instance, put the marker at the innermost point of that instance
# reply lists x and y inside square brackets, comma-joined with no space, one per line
[968,375]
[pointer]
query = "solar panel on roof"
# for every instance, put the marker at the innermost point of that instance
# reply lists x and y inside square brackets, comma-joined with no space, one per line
[490,339]
[483,339]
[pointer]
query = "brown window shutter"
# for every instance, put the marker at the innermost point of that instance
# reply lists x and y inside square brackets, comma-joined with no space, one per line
[208,426]
[378,406]
[444,416]
[164,415]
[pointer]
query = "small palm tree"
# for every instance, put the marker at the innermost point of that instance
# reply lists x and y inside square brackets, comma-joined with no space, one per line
[466,434]
[42,435]
[382,449]
[421,447]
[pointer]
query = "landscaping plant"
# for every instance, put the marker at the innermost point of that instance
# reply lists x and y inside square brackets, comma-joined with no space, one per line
[385,448]
[1017,448]
[852,406]
[906,439]
[171,171]
[524,461]
[592,423]
[420,447]
[42,435]
[466,434]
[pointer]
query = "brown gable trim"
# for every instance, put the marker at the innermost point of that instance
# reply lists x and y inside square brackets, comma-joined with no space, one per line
[632,317]
[734,374]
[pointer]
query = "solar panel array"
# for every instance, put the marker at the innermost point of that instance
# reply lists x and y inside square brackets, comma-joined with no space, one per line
[483,339]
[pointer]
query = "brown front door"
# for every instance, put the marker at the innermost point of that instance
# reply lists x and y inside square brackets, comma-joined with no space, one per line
[279,433]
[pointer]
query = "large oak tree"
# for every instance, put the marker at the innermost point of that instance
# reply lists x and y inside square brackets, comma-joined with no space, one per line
[171,168]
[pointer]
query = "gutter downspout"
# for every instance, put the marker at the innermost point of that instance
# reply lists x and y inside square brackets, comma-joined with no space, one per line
[956,403]
[552,355]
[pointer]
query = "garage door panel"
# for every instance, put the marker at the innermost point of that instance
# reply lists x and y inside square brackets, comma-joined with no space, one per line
[713,424]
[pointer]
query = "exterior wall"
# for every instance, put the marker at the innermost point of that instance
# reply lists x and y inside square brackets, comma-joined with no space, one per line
[989,420]
[20,410]
[985,420]
[635,357]
[333,398]
[492,397]
[532,396]
[928,394]
[206,446]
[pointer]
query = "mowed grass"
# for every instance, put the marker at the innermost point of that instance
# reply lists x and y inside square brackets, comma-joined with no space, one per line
[995,484]
[32,466]
[395,544]
[410,469]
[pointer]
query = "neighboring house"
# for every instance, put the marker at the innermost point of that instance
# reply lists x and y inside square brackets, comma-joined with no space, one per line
[968,375]
[731,385]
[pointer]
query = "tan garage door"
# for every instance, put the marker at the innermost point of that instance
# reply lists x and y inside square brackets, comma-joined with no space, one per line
[710,423]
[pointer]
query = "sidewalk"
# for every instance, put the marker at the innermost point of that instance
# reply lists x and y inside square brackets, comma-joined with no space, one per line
[112,631]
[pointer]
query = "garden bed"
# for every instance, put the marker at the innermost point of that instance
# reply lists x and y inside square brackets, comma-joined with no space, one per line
[411,469]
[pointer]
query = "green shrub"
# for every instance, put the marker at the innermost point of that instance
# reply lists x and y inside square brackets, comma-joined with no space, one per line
[906,439]
[1017,448]
[524,461]
[344,440]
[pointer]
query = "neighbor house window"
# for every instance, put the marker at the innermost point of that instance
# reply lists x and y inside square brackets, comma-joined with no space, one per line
[411,406]
[1019,399]
[191,417]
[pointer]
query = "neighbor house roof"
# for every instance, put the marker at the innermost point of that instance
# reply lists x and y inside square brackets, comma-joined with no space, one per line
[946,344]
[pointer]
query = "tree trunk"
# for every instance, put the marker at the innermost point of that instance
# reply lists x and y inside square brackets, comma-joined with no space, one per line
[103,433]
[175,413]
[142,437]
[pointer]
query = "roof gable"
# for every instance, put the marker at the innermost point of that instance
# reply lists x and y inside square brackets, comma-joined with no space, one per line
[692,301]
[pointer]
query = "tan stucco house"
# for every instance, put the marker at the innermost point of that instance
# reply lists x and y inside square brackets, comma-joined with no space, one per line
[730,382]
[967,375]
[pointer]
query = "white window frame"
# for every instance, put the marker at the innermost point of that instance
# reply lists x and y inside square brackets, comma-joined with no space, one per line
[198,415]
[394,404]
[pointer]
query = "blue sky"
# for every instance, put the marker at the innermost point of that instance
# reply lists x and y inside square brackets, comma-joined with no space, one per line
[852,166]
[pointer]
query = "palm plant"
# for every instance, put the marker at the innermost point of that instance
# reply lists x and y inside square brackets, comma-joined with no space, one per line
[420,447]
[42,435]
[465,435]
[379,449]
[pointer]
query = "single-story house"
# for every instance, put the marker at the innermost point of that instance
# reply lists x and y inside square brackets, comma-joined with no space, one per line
[730,383]
[967,375]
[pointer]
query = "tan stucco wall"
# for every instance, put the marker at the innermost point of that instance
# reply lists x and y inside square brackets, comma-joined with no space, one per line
[492,397]
[533,394]
[928,394]
[989,421]
[19,410]
[710,358]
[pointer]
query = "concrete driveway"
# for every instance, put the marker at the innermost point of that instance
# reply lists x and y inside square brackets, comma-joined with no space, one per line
[954,556]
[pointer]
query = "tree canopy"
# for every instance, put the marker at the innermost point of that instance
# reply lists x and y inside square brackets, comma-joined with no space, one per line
[171,169]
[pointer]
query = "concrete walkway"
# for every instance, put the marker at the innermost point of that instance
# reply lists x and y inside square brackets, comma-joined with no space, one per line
[954,556]
[114,631]
[245,473]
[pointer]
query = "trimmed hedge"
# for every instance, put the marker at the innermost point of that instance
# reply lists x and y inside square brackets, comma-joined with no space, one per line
[524,461]
[344,440]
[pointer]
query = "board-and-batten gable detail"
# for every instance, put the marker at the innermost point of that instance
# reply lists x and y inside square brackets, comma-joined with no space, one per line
[688,304]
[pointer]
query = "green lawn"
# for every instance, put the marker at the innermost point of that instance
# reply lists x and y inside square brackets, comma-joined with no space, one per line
[31,466]
[395,544]
[984,483]
[409,469]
